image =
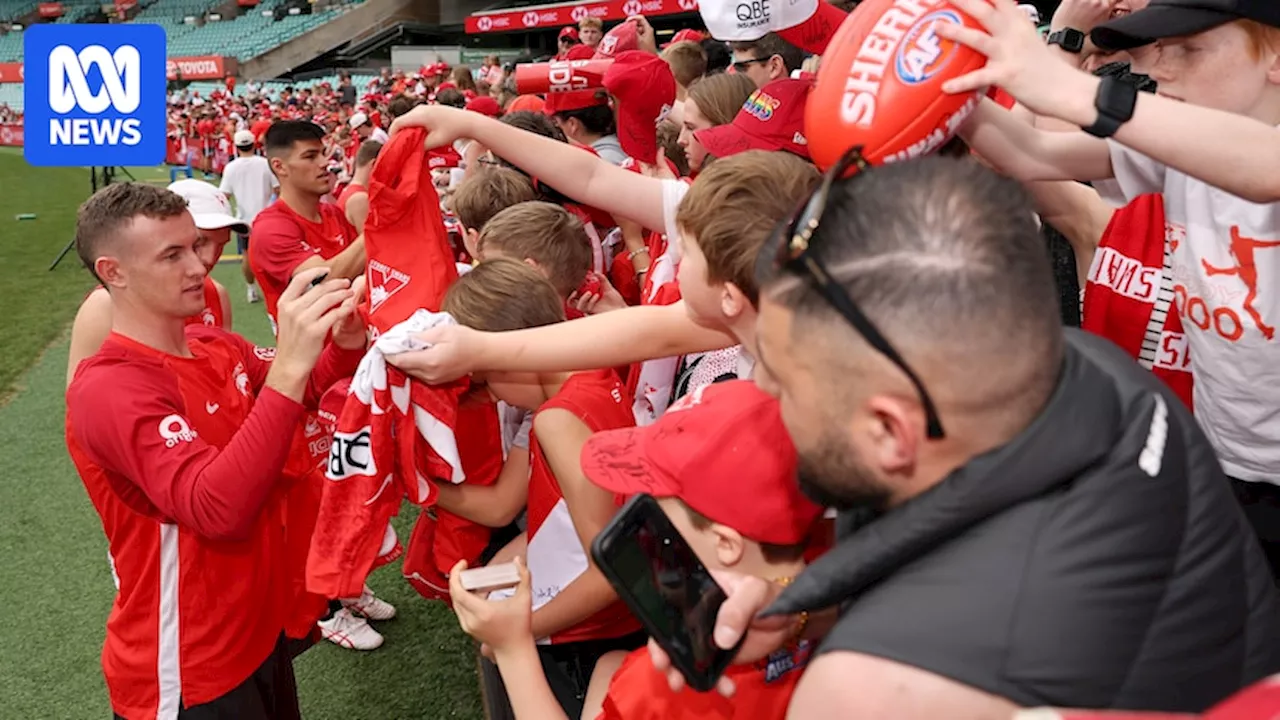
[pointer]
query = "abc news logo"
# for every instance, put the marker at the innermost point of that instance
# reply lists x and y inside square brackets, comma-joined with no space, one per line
[95,95]
[69,90]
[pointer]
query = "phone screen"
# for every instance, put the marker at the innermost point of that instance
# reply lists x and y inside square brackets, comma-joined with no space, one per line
[661,579]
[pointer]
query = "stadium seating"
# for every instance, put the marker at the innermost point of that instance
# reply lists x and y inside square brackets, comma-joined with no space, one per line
[11,95]
[244,37]
[11,10]
[272,88]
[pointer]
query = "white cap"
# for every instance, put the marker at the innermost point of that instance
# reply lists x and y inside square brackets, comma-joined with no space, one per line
[732,22]
[208,206]
[357,120]
[244,139]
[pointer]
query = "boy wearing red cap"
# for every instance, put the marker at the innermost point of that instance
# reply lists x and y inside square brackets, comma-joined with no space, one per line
[723,470]
[567,39]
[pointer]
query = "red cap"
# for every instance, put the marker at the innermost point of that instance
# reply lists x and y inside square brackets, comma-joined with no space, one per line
[580,52]
[559,102]
[813,35]
[687,35]
[569,32]
[723,451]
[618,40]
[645,90]
[485,105]
[440,68]
[771,119]
[446,85]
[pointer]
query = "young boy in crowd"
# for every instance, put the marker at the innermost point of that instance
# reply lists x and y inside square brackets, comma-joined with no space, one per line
[578,617]
[1208,143]
[688,63]
[728,485]
[551,239]
[483,195]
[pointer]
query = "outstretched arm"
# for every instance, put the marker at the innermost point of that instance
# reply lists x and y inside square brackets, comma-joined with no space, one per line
[578,174]
[1233,152]
[598,341]
[1015,147]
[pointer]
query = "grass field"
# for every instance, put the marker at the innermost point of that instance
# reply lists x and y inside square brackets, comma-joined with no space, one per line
[55,580]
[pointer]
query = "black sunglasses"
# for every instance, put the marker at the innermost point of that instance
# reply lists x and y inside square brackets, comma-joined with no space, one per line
[742,65]
[793,255]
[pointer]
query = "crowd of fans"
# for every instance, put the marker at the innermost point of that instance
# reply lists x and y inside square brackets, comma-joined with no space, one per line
[849,388]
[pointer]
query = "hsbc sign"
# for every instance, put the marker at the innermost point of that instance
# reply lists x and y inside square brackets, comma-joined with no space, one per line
[571,13]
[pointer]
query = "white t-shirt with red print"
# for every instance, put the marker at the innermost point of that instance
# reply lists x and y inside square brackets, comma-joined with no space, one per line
[1226,282]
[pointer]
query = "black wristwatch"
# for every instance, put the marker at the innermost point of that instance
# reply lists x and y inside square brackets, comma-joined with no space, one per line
[1068,39]
[1115,103]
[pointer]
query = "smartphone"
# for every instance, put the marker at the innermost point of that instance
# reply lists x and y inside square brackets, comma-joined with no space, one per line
[490,578]
[659,577]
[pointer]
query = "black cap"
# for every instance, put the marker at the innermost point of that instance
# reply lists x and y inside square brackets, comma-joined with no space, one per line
[1173,18]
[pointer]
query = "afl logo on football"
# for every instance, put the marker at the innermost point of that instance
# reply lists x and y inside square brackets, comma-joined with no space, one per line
[922,54]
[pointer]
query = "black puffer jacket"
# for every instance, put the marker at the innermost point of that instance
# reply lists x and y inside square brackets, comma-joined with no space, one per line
[1098,560]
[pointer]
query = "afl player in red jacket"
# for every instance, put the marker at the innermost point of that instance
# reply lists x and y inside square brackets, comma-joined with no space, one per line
[180,434]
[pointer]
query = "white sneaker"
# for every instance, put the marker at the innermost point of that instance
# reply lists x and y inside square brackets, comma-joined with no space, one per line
[370,607]
[252,294]
[349,631]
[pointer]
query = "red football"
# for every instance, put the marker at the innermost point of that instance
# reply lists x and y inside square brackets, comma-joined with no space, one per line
[880,84]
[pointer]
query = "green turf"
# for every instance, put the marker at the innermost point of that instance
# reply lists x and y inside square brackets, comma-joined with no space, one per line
[55,581]
[36,304]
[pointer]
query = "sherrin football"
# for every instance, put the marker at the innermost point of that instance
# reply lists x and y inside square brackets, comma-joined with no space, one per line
[880,84]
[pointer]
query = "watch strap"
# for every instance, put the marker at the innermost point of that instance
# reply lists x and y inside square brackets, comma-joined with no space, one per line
[1069,39]
[1115,102]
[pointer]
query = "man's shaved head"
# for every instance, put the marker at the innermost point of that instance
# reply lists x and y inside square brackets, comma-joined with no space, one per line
[945,258]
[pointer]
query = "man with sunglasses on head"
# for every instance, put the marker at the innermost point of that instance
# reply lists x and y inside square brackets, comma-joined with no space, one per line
[1027,517]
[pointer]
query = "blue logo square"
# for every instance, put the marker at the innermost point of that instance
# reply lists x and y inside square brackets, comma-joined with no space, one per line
[94,94]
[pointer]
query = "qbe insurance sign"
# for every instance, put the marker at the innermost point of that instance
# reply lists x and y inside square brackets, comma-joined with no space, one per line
[94,94]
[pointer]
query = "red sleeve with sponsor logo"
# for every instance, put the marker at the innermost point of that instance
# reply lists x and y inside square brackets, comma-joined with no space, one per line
[135,420]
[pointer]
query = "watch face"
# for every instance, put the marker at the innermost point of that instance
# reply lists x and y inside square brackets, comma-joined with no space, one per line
[1070,39]
[1073,41]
